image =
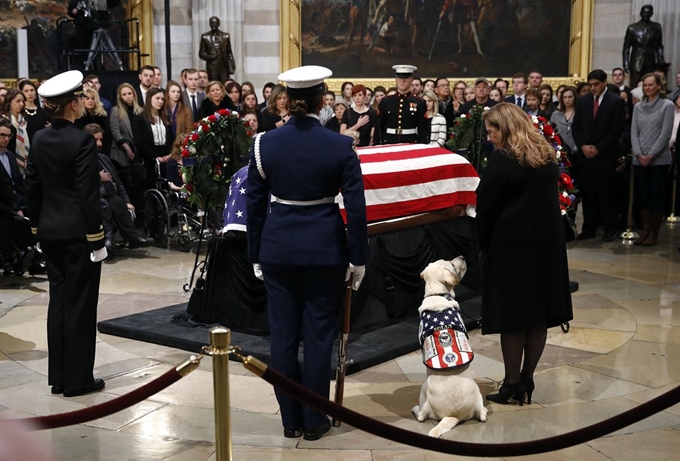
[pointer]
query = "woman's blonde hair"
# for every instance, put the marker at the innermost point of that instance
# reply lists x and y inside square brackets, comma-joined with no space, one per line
[122,111]
[432,96]
[212,84]
[519,136]
[98,110]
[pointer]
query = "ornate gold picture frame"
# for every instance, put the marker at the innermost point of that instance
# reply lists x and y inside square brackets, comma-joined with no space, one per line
[580,47]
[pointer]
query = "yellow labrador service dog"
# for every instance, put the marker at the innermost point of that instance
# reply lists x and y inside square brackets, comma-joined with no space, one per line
[445,396]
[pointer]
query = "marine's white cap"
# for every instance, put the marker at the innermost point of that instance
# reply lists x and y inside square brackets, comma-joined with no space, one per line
[305,79]
[404,70]
[62,85]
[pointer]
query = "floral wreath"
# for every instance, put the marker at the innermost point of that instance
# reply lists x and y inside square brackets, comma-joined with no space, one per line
[565,185]
[468,133]
[211,154]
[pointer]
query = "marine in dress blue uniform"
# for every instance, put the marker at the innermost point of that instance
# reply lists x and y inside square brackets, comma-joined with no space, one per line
[298,241]
[62,184]
[402,116]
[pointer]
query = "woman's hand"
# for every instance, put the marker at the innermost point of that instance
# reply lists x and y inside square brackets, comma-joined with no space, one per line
[128,152]
[363,120]
[645,160]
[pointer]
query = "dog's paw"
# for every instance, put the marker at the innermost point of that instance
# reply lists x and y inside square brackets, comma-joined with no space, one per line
[435,433]
[482,414]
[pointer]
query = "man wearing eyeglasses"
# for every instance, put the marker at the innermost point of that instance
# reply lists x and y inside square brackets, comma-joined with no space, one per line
[442,88]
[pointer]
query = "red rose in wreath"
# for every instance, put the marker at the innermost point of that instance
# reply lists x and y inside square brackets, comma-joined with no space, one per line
[212,118]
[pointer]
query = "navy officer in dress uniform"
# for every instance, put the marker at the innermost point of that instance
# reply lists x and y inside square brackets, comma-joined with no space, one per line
[62,182]
[298,244]
[402,116]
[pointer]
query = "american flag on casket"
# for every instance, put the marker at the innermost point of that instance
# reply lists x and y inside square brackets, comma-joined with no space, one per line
[407,179]
[399,180]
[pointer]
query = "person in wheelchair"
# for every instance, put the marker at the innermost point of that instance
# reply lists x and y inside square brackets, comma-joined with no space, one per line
[114,202]
[17,245]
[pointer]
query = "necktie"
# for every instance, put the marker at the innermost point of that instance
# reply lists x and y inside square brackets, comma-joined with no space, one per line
[519,102]
[596,105]
[194,109]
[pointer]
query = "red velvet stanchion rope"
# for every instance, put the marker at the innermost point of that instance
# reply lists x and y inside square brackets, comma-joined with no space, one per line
[107,408]
[426,442]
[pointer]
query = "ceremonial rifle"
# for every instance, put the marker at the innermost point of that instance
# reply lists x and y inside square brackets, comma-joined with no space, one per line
[341,368]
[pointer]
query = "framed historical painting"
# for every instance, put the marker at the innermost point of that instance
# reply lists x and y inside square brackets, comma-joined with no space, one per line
[50,33]
[360,40]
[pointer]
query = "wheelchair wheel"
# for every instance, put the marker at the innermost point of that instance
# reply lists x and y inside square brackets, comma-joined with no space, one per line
[156,216]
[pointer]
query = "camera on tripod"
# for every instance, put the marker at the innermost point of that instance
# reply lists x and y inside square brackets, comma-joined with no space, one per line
[98,10]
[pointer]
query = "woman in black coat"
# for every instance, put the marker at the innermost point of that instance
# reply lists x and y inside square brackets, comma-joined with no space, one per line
[520,233]
[153,136]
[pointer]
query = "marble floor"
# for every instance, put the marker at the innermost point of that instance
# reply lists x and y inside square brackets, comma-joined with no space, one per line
[623,349]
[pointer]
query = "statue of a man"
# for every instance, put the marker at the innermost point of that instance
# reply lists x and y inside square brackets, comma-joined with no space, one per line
[646,41]
[215,50]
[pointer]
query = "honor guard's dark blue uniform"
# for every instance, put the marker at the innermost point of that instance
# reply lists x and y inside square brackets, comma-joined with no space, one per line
[303,247]
[62,182]
[402,119]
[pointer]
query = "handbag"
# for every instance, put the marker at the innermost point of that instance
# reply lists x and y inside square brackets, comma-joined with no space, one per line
[570,233]
[137,173]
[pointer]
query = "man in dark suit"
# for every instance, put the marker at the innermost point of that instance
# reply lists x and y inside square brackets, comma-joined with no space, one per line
[266,91]
[114,202]
[599,120]
[299,245]
[519,87]
[146,75]
[402,116]
[442,88]
[62,184]
[16,241]
[191,95]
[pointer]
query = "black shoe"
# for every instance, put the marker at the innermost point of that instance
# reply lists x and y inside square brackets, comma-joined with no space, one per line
[585,236]
[609,237]
[110,244]
[23,261]
[315,434]
[509,391]
[141,242]
[57,389]
[37,267]
[292,433]
[97,385]
[529,387]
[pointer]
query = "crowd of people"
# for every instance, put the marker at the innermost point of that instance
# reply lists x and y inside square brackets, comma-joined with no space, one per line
[142,128]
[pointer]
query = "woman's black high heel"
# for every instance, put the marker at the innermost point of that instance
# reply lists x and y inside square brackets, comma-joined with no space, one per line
[507,391]
[529,383]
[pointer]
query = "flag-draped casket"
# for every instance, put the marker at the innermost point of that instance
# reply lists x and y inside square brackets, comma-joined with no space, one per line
[399,180]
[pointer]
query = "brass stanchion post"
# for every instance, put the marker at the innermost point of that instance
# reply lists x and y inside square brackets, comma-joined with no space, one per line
[672,219]
[628,236]
[220,338]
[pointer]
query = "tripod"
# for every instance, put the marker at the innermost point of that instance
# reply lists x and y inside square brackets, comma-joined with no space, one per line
[102,43]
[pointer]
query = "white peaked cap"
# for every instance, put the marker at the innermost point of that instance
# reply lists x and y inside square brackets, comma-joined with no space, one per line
[304,77]
[64,84]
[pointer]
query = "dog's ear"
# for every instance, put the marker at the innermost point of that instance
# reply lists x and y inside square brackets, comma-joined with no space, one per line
[460,266]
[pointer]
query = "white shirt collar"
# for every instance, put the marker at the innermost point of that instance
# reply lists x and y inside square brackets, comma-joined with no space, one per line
[599,100]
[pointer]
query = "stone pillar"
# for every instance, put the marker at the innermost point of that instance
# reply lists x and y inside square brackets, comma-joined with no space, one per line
[667,13]
[230,13]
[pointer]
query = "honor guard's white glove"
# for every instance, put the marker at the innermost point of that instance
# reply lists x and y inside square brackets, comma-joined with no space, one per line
[257,269]
[99,255]
[357,272]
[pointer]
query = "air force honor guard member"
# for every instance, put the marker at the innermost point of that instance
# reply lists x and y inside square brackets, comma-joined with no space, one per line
[62,182]
[298,244]
[402,116]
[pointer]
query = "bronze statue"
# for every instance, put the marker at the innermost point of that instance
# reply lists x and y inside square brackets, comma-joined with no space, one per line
[646,41]
[215,49]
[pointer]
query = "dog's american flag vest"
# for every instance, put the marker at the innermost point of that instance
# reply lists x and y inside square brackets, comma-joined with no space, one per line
[444,339]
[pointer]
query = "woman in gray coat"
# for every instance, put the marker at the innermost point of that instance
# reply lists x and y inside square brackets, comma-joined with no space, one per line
[650,132]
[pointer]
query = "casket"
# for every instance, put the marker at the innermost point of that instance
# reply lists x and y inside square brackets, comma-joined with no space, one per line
[399,180]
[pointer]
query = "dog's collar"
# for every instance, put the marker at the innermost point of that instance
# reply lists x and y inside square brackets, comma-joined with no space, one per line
[445,295]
